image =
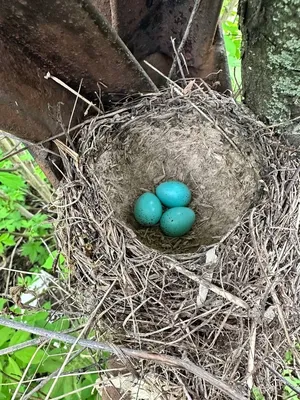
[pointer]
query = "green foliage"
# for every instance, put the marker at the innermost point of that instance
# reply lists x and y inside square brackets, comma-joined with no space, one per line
[233,40]
[43,361]
[33,238]
[14,225]
[288,393]
[257,394]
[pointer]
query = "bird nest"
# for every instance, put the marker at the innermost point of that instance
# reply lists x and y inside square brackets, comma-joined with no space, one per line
[223,300]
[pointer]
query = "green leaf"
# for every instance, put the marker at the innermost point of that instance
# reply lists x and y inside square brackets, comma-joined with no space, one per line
[5,335]
[4,212]
[35,250]
[257,394]
[49,261]
[1,375]
[12,369]
[7,239]
[59,388]
[12,181]
[47,305]
[70,384]
[86,394]
[36,319]
[19,337]
[26,354]
[50,364]
[289,357]
[60,325]
[230,46]
[2,303]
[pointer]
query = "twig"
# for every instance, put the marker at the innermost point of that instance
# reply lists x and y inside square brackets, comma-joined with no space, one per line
[178,61]
[186,34]
[41,142]
[77,94]
[25,371]
[252,343]
[54,374]
[221,292]
[10,264]
[179,91]
[282,378]
[84,330]
[139,354]
[20,346]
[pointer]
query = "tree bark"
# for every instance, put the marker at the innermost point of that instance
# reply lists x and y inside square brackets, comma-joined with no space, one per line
[271,58]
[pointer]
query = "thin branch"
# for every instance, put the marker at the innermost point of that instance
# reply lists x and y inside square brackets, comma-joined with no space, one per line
[11,264]
[20,346]
[186,34]
[179,91]
[41,142]
[77,94]
[54,375]
[296,389]
[214,288]
[231,392]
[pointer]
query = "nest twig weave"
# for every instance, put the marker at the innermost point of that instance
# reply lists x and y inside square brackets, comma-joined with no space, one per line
[227,312]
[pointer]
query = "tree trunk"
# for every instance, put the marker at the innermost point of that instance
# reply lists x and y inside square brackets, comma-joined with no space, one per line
[271,58]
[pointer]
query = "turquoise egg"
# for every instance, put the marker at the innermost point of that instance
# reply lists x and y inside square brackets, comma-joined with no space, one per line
[177,221]
[173,194]
[148,209]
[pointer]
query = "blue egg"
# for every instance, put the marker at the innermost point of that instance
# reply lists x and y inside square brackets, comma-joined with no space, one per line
[148,209]
[173,194]
[177,221]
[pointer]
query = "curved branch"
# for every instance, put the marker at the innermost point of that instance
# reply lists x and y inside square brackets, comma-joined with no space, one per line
[139,354]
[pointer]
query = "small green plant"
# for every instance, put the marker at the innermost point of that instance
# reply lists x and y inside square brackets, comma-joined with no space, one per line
[257,394]
[288,374]
[26,239]
[41,362]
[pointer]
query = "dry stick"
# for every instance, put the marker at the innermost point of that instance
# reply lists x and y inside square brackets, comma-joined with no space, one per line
[64,85]
[90,320]
[29,343]
[251,357]
[139,354]
[54,374]
[272,291]
[178,61]
[22,379]
[20,346]
[74,128]
[179,91]
[186,34]
[221,292]
[282,378]
[10,265]
[41,142]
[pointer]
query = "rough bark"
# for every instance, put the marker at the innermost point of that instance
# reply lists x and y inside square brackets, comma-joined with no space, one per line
[271,57]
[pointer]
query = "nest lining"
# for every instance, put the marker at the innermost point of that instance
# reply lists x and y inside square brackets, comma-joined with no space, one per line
[184,147]
[153,300]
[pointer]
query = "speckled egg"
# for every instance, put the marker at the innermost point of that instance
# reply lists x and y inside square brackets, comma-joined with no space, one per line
[177,221]
[173,194]
[148,209]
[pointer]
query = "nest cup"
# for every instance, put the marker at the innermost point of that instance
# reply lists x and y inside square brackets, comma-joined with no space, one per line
[152,289]
[179,145]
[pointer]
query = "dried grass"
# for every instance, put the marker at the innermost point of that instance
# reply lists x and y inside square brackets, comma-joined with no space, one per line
[229,307]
